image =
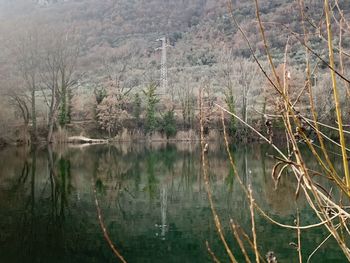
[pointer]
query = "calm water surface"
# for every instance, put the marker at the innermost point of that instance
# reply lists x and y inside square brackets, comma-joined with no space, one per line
[152,200]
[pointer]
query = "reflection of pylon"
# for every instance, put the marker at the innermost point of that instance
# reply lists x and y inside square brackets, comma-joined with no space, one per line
[163,208]
[163,69]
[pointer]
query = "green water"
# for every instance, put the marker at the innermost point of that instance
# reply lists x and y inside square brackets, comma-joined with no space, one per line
[153,204]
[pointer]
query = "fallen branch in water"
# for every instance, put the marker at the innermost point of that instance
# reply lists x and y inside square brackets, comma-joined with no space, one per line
[104,230]
[82,139]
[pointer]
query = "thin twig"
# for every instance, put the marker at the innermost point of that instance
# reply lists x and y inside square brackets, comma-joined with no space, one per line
[207,184]
[215,259]
[239,241]
[318,247]
[336,96]
[299,237]
[251,206]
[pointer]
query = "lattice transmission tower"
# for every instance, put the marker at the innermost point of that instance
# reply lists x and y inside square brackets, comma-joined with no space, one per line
[163,69]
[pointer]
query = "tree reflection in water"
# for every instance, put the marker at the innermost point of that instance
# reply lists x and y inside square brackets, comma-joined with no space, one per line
[49,213]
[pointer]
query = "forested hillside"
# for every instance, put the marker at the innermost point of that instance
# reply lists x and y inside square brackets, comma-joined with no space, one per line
[113,43]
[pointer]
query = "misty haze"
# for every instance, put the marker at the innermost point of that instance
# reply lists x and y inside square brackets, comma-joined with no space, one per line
[174,131]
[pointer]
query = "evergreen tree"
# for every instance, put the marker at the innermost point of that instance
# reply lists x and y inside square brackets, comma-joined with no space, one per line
[100,94]
[137,107]
[169,124]
[152,99]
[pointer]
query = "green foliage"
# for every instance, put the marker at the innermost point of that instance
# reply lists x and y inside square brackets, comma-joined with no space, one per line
[137,107]
[168,155]
[62,118]
[152,181]
[100,187]
[230,179]
[64,114]
[64,184]
[169,124]
[100,94]
[69,106]
[204,58]
[152,100]
[176,36]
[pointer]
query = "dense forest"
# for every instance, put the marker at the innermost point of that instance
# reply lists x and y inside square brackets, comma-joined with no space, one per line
[92,68]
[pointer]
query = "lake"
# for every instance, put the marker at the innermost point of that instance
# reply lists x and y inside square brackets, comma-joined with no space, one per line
[152,202]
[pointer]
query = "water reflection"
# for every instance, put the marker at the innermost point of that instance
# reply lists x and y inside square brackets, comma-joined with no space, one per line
[152,199]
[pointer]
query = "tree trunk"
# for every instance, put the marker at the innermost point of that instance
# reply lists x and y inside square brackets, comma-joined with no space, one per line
[26,135]
[52,114]
[34,134]
[49,136]
[63,108]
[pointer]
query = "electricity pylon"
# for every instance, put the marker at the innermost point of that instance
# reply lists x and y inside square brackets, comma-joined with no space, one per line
[163,69]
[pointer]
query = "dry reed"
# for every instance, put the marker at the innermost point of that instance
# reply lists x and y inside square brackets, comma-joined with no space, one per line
[319,199]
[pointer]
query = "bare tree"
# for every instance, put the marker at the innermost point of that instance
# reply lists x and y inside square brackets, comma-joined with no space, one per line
[59,60]
[187,101]
[226,77]
[246,73]
[27,58]
[116,81]
[112,108]
[238,77]
[120,76]
[15,91]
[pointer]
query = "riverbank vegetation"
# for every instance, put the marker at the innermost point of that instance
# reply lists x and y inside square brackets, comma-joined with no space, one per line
[98,77]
